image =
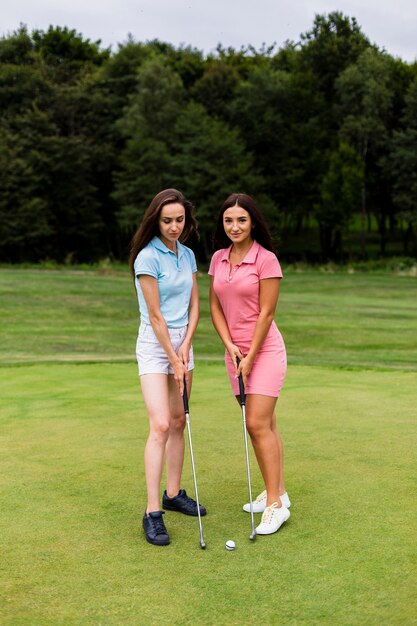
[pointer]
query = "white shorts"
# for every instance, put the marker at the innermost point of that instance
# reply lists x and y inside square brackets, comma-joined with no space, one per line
[151,357]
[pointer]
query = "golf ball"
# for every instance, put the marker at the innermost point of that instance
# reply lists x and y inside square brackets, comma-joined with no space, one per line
[230,544]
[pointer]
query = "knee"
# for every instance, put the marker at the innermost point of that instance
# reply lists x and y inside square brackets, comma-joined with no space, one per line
[177,424]
[255,429]
[159,431]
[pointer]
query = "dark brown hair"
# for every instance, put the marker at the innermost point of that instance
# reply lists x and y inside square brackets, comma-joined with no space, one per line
[260,231]
[149,226]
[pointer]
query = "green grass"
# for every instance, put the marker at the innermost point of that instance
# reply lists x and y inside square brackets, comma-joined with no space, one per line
[340,320]
[72,435]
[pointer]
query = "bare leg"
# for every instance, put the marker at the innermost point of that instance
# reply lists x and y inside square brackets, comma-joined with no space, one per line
[259,418]
[155,392]
[281,485]
[175,445]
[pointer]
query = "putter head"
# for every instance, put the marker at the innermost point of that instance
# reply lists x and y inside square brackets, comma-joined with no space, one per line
[203,545]
[253,536]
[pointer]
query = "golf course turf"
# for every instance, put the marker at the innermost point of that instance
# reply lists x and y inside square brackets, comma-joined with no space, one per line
[73,428]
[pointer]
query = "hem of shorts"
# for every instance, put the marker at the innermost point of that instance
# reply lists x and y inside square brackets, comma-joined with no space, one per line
[169,327]
[165,373]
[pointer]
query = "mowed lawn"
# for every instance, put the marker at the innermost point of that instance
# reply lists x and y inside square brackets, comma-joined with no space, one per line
[73,428]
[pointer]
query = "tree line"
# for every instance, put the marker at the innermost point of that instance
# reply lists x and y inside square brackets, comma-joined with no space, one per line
[322,132]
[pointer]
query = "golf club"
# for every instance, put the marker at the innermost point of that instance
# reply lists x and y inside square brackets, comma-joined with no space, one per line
[187,419]
[243,406]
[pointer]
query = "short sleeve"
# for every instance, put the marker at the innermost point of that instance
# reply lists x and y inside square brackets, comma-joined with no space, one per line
[147,263]
[213,263]
[269,266]
[193,262]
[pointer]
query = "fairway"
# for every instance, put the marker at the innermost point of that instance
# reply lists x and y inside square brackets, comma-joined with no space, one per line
[73,431]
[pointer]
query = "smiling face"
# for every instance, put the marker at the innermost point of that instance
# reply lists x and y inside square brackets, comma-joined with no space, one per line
[171,223]
[238,225]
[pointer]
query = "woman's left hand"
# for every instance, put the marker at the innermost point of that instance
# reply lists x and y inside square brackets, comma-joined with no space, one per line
[184,353]
[244,368]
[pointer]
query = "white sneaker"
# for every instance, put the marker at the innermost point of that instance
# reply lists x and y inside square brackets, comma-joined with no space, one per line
[285,501]
[259,505]
[272,519]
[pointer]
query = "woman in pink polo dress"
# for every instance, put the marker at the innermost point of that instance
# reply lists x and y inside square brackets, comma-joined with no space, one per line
[245,278]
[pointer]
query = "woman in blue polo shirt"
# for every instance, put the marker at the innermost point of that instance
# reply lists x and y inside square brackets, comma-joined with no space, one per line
[164,271]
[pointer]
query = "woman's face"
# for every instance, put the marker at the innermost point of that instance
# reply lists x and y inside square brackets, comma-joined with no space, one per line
[237,224]
[171,223]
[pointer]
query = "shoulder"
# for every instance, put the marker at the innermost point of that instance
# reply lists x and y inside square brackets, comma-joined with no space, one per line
[147,253]
[189,255]
[147,257]
[268,263]
[263,253]
[216,259]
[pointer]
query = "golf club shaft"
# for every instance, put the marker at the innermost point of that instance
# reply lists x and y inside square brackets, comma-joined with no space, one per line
[187,419]
[243,405]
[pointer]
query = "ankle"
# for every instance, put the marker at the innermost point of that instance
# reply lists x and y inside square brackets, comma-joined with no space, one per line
[273,498]
[152,509]
[172,493]
[277,501]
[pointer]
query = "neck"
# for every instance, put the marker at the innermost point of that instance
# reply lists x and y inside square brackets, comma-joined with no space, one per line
[171,245]
[240,249]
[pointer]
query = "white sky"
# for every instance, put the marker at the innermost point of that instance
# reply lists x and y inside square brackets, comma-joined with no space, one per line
[391,24]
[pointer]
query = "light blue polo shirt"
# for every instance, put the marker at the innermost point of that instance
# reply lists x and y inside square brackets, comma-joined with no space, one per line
[175,280]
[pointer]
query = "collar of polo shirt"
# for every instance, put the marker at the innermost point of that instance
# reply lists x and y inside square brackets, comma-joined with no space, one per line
[163,248]
[249,258]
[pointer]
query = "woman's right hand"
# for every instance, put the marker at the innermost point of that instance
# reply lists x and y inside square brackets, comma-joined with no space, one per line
[235,354]
[179,373]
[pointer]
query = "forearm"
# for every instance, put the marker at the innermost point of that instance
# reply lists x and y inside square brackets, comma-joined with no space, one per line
[262,327]
[268,300]
[160,329]
[220,324]
[193,313]
[193,318]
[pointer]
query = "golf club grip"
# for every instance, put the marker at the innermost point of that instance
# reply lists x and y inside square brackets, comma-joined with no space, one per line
[241,386]
[185,397]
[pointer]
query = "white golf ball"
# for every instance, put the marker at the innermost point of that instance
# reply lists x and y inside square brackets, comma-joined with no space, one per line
[230,544]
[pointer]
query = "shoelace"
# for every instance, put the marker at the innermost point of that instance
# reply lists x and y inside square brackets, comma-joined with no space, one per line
[269,512]
[261,496]
[159,526]
[189,500]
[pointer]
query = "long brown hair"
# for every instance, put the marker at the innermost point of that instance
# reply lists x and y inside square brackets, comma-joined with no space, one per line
[149,226]
[260,231]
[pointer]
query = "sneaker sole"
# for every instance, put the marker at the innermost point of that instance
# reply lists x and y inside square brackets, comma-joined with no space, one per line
[153,543]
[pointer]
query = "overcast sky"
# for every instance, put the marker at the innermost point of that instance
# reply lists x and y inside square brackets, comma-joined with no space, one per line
[391,24]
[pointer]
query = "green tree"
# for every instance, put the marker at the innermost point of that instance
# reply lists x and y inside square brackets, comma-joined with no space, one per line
[47,131]
[211,161]
[147,128]
[25,216]
[216,88]
[276,111]
[340,197]
[334,42]
[365,106]
[401,167]
[66,54]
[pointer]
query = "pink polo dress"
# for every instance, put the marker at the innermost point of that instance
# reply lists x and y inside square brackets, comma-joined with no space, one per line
[238,294]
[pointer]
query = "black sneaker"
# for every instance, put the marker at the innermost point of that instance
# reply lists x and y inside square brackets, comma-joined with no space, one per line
[182,503]
[154,528]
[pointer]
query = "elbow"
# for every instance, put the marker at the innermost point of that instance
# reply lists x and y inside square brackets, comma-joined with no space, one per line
[268,317]
[155,318]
